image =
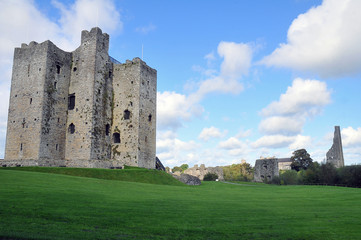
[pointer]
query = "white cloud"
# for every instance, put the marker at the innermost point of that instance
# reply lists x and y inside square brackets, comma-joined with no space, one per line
[210,133]
[281,124]
[237,59]
[146,29]
[273,141]
[236,63]
[304,98]
[351,137]
[231,143]
[300,142]
[174,108]
[85,14]
[324,40]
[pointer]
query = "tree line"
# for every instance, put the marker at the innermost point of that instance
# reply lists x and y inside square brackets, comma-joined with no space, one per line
[305,171]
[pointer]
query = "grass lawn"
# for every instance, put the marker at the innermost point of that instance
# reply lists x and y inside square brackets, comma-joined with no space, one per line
[36,205]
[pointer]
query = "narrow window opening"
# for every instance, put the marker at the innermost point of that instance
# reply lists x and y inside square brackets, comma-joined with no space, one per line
[98,91]
[150,118]
[31,100]
[126,114]
[55,85]
[21,146]
[71,101]
[146,139]
[28,70]
[71,128]
[116,138]
[107,128]
[131,104]
[58,119]
[110,74]
[56,147]
[57,69]
[74,69]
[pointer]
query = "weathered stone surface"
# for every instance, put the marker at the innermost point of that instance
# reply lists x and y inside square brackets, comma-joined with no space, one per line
[201,171]
[188,179]
[284,163]
[265,169]
[80,108]
[335,154]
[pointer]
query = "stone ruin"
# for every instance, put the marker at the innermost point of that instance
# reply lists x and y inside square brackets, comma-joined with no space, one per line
[265,169]
[335,154]
[201,171]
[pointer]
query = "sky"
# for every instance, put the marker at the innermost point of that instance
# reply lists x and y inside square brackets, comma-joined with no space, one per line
[237,80]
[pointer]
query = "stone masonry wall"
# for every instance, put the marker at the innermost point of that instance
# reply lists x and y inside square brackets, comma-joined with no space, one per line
[335,154]
[80,109]
[265,169]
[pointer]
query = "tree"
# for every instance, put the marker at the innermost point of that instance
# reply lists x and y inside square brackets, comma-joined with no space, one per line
[300,160]
[184,167]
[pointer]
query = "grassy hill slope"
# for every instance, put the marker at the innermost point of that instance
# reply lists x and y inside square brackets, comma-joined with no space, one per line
[130,174]
[37,205]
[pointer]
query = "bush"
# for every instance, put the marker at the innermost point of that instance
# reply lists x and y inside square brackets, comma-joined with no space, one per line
[210,177]
[288,177]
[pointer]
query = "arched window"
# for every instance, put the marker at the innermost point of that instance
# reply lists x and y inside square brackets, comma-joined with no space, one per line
[71,128]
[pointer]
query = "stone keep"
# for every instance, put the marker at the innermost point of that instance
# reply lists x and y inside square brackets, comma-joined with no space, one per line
[80,108]
[335,154]
[265,169]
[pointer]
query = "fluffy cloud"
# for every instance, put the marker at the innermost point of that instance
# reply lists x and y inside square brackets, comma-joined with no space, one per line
[236,63]
[281,124]
[85,14]
[273,141]
[173,108]
[212,132]
[302,100]
[351,137]
[324,40]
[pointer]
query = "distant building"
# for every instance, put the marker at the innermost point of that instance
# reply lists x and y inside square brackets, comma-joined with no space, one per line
[335,154]
[284,163]
[80,108]
[265,169]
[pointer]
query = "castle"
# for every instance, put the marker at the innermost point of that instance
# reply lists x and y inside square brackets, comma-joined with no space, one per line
[80,108]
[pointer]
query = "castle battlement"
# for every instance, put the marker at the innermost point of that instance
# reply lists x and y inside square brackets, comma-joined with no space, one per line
[80,108]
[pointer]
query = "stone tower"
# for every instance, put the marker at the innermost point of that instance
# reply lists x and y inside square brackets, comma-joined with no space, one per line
[265,169]
[80,108]
[335,154]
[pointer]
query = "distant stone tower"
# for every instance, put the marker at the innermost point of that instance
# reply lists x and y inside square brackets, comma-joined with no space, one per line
[335,154]
[265,169]
[80,108]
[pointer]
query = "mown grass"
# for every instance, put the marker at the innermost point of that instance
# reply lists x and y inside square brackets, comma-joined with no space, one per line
[37,205]
[130,174]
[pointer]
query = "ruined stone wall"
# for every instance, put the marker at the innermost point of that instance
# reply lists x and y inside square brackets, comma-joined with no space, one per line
[201,171]
[265,169]
[335,154]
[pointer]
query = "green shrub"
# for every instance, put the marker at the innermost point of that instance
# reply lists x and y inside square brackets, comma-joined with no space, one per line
[210,177]
[289,177]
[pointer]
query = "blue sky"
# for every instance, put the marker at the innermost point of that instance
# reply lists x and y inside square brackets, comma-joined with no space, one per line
[236,79]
